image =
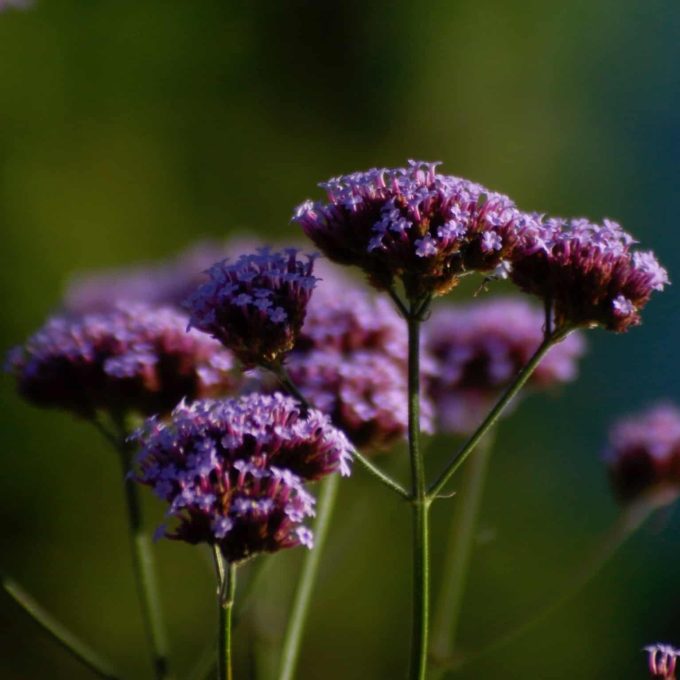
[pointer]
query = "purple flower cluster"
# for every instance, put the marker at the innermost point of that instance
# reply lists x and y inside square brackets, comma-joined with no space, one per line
[412,224]
[662,660]
[478,350]
[350,362]
[233,470]
[137,358]
[643,455]
[256,305]
[589,272]
[163,283]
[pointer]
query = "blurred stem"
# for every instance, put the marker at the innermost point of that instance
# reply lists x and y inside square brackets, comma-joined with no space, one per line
[305,587]
[78,649]
[461,456]
[420,504]
[373,469]
[226,592]
[143,562]
[459,551]
[627,523]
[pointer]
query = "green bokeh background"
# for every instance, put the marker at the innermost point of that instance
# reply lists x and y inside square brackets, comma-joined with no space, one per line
[128,129]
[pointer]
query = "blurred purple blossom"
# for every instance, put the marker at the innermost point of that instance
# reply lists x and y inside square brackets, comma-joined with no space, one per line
[589,272]
[662,661]
[233,470]
[643,455]
[256,305]
[134,358]
[350,362]
[412,224]
[167,282]
[478,350]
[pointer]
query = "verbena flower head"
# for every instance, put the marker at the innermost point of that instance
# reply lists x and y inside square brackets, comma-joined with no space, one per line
[233,470]
[662,660]
[479,348]
[643,455]
[136,358]
[167,282]
[589,272]
[350,362]
[412,224]
[256,305]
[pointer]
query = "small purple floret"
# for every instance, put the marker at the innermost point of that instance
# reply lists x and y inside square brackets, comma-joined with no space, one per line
[136,358]
[662,660]
[588,272]
[256,305]
[233,471]
[412,224]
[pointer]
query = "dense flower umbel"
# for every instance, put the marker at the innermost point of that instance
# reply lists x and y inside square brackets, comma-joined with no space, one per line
[350,362]
[233,470]
[167,282]
[588,271]
[136,358]
[412,224]
[479,348]
[662,661]
[256,305]
[644,455]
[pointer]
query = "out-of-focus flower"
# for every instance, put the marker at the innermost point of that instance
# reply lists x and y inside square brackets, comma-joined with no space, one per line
[350,362]
[134,358]
[643,455]
[412,224]
[589,272]
[479,348]
[233,470]
[662,661]
[256,305]
[167,282]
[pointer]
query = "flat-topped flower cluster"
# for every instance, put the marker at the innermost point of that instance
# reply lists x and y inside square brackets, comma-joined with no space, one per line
[233,471]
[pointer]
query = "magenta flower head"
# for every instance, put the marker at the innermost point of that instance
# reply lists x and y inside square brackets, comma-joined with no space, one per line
[233,470]
[350,362]
[138,359]
[662,660]
[643,455]
[167,282]
[256,305]
[588,272]
[411,224]
[479,348]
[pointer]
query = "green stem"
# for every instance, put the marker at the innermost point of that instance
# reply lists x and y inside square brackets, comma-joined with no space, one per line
[78,649]
[226,586]
[310,568]
[144,568]
[421,507]
[459,551]
[461,456]
[627,523]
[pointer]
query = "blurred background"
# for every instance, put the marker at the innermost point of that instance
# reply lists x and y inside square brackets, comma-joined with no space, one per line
[130,129]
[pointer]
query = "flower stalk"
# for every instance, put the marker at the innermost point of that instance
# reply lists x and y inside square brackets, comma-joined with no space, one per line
[226,593]
[420,503]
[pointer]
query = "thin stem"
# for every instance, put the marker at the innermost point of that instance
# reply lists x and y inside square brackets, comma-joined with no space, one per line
[459,551]
[226,590]
[459,458]
[308,577]
[78,649]
[398,302]
[421,507]
[626,524]
[143,564]
[373,469]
